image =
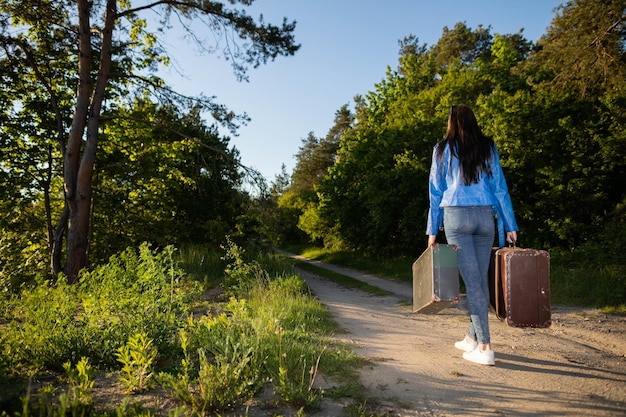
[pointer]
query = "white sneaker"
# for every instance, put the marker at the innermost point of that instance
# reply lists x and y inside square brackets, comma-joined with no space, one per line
[482,357]
[465,346]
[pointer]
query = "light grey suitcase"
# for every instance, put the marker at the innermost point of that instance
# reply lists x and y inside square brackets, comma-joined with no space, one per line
[435,280]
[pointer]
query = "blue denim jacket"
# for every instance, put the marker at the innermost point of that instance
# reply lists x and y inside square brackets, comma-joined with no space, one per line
[446,189]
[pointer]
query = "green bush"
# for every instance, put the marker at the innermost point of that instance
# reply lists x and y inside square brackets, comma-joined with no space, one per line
[133,316]
[137,358]
[136,292]
[271,331]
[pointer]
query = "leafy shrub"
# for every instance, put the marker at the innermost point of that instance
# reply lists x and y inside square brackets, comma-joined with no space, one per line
[220,375]
[242,275]
[137,357]
[270,334]
[44,331]
[80,385]
[136,292]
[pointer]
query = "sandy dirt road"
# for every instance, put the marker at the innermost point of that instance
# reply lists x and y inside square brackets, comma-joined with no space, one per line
[577,367]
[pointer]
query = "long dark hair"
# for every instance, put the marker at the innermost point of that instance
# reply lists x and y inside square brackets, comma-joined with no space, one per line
[468,144]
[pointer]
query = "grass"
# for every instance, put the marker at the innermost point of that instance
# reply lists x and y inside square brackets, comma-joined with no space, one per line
[398,268]
[589,276]
[144,320]
[343,280]
[137,320]
[603,287]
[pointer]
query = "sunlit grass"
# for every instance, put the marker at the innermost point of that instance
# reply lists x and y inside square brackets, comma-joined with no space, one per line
[264,332]
[395,268]
[588,277]
[602,287]
[343,280]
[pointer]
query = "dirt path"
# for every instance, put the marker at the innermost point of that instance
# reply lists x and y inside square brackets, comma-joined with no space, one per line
[576,367]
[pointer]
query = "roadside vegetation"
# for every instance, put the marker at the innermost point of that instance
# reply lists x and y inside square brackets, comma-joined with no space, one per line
[238,327]
[213,334]
[594,275]
[343,280]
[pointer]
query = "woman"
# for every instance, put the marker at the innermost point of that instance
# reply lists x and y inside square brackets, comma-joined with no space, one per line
[466,186]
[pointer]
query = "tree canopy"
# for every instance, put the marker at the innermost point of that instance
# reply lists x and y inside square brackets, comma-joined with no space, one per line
[71,73]
[555,109]
[98,153]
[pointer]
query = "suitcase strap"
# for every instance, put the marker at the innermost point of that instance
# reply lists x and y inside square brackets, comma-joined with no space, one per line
[498,282]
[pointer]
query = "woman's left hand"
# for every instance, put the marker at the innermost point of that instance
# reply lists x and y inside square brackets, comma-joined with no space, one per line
[511,237]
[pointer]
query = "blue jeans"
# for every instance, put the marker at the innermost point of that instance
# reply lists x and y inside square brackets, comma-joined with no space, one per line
[472,230]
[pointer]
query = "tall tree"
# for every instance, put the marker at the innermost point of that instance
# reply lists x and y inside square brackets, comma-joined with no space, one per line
[373,193]
[463,44]
[102,51]
[313,161]
[560,133]
[582,53]
[317,155]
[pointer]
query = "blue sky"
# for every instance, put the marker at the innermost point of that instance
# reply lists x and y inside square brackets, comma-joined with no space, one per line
[346,47]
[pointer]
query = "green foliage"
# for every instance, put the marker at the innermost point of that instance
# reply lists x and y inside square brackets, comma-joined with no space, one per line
[274,333]
[80,385]
[137,358]
[241,274]
[582,53]
[180,386]
[278,220]
[103,144]
[75,401]
[230,378]
[554,109]
[43,331]
[183,182]
[25,257]
[136,292]
[293,229]
[271,335]
[223,380]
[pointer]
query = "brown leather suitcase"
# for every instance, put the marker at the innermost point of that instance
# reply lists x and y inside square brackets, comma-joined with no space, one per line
[519,284]
[435,280]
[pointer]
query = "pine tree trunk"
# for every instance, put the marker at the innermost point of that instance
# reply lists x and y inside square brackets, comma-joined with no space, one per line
[79,166]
